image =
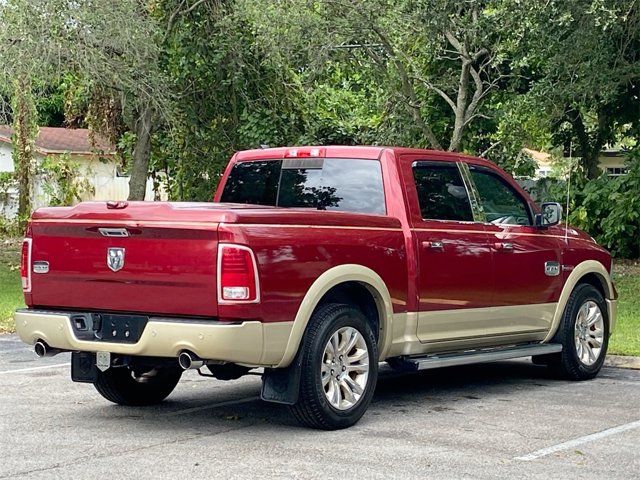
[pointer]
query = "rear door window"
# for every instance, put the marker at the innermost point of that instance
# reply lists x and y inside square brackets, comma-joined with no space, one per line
[442,194]
[350,185]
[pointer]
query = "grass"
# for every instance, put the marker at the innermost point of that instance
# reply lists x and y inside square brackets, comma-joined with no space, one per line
[626,337]
[625,340]
[10,286]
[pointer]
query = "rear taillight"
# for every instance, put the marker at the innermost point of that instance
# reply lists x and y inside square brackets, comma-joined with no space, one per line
[237,275]
[25,265]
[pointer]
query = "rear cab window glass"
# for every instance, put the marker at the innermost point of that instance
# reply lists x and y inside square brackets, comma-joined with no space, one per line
[501,203]
[350,185]
[442,194]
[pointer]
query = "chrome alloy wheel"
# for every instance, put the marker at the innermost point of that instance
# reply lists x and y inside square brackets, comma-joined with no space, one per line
[345,368]
[589,333]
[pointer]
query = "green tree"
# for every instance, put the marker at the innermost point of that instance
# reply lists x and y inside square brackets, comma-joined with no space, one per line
[25,131]
[111,47]
[580,63]
[230,98]
[442,58]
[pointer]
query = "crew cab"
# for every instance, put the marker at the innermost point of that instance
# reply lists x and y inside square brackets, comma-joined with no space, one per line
[314,264]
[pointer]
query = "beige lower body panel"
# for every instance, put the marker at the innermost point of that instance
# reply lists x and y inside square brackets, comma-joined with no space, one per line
[470,323]
[247,343]
[453,330]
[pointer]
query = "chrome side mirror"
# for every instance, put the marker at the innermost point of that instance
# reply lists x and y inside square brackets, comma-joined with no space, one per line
[551,215]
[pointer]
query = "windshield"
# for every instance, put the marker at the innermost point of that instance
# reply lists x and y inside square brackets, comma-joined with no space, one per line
[325,184]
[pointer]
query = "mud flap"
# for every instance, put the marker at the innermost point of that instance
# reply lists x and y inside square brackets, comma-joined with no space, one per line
[282,385]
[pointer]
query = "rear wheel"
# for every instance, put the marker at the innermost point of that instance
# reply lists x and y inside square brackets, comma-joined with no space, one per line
[127,386]
[339,368]
[584,335]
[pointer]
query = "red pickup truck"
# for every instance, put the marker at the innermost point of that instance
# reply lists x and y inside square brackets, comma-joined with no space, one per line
[315,264]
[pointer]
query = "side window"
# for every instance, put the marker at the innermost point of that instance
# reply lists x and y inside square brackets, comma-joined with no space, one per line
[500,202]
[441,192]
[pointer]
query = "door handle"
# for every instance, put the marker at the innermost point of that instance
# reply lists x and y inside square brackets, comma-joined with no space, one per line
[503,247]
[438,246]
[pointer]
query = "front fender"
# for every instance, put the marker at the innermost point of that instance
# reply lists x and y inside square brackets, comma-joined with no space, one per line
[582,269]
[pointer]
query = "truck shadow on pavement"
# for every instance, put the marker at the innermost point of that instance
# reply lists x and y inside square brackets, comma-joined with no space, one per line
[230,406]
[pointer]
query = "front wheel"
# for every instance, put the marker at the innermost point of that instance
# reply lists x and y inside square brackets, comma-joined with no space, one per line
[584,335]
[126,386]
[339,368]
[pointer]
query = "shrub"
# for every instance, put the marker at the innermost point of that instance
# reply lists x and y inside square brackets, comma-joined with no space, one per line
[62,181]
[609,209]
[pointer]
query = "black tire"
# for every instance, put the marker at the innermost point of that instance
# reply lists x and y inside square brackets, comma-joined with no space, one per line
[122,386]
[313,409]
[567,364]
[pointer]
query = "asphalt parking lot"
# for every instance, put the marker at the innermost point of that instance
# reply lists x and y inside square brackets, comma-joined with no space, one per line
[505,420]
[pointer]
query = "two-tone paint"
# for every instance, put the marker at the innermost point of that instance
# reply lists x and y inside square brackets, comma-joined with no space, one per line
[437,285]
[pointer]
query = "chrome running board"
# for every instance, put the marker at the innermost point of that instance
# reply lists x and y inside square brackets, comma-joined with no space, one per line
[476,356]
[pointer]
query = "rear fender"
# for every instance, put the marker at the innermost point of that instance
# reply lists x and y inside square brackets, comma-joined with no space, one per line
[324,283]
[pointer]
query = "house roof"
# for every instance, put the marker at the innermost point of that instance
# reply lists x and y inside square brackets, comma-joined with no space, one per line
[52,141]
[541,158]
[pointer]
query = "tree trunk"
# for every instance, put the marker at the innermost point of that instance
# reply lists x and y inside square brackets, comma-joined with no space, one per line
[461,107]
[141,154]
[25,131]
[589,150]
[590,164]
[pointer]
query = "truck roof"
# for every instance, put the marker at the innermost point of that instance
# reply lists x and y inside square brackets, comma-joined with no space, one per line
[344,151]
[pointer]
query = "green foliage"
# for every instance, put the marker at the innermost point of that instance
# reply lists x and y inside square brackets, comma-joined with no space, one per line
[25,131]
[341,108]
[578,66]
[609,209]
[8,182]
[8,227]
[228,75]
[231,99]
[63,182]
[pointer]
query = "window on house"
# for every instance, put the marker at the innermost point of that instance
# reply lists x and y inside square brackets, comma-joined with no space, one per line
[616,171]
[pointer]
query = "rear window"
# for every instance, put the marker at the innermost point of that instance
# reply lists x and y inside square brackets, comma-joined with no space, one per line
[325,184]
[441,192]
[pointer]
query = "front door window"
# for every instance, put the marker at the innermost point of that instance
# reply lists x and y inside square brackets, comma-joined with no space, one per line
[500,203]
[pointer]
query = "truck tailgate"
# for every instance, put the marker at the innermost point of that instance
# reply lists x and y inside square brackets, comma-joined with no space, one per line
[147,258]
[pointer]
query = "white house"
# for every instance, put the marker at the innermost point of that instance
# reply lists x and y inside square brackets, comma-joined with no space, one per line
[611,162]
[97,158]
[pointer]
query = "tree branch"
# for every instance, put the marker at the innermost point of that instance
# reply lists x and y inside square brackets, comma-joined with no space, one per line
[477,94]
[491,147]
[408,90]
[455,43]
[179,11]
[439,91]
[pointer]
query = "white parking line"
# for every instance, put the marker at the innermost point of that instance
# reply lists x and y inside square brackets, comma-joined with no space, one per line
[211,405]
[579,441]
[35,369]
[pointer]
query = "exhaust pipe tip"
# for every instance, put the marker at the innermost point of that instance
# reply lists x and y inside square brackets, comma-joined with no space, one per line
[43,350]
[190,361]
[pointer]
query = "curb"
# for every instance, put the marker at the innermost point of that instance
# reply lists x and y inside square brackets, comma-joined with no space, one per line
[621,361]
